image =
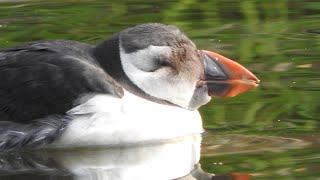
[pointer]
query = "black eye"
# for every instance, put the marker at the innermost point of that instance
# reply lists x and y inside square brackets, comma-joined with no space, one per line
[163,62]
[159,62]
[154,64]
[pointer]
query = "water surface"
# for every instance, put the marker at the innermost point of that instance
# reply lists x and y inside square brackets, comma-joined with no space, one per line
[271,132]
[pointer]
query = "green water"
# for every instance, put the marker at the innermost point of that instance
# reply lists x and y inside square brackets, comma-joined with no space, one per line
[271,132]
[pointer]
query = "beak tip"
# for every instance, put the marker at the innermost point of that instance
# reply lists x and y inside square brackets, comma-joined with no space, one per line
[258,81]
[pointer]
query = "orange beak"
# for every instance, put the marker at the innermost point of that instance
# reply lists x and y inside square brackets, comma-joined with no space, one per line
[224,77]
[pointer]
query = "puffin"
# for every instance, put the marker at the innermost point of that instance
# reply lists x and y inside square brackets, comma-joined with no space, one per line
[144,85]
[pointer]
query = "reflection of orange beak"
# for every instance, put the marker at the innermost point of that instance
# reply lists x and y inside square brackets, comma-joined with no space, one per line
[237,176]
[224,77]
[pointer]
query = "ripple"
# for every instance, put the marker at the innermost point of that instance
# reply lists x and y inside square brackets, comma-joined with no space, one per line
[213,145]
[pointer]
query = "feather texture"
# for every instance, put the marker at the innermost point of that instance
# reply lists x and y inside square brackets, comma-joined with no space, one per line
[35,134]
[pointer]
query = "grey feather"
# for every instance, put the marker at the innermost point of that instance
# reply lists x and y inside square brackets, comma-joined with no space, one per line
[33,135]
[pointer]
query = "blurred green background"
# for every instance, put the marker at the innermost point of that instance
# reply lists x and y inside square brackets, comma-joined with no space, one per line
[271,132]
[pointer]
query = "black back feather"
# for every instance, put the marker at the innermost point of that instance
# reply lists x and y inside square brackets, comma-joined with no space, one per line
[46,78]
[39,83]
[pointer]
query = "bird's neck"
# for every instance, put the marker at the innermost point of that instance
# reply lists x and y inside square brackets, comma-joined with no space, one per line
[108,56]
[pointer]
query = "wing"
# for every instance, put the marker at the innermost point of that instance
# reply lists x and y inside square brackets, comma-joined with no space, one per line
[37,82]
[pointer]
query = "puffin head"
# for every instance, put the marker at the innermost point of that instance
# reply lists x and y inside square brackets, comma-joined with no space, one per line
[160,63]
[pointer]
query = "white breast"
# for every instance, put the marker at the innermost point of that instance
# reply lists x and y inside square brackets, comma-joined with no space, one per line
[107,121]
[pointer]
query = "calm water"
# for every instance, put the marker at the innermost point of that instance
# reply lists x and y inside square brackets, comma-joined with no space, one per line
[271,132]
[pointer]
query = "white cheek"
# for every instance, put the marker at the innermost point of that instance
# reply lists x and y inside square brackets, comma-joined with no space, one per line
[177,89]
